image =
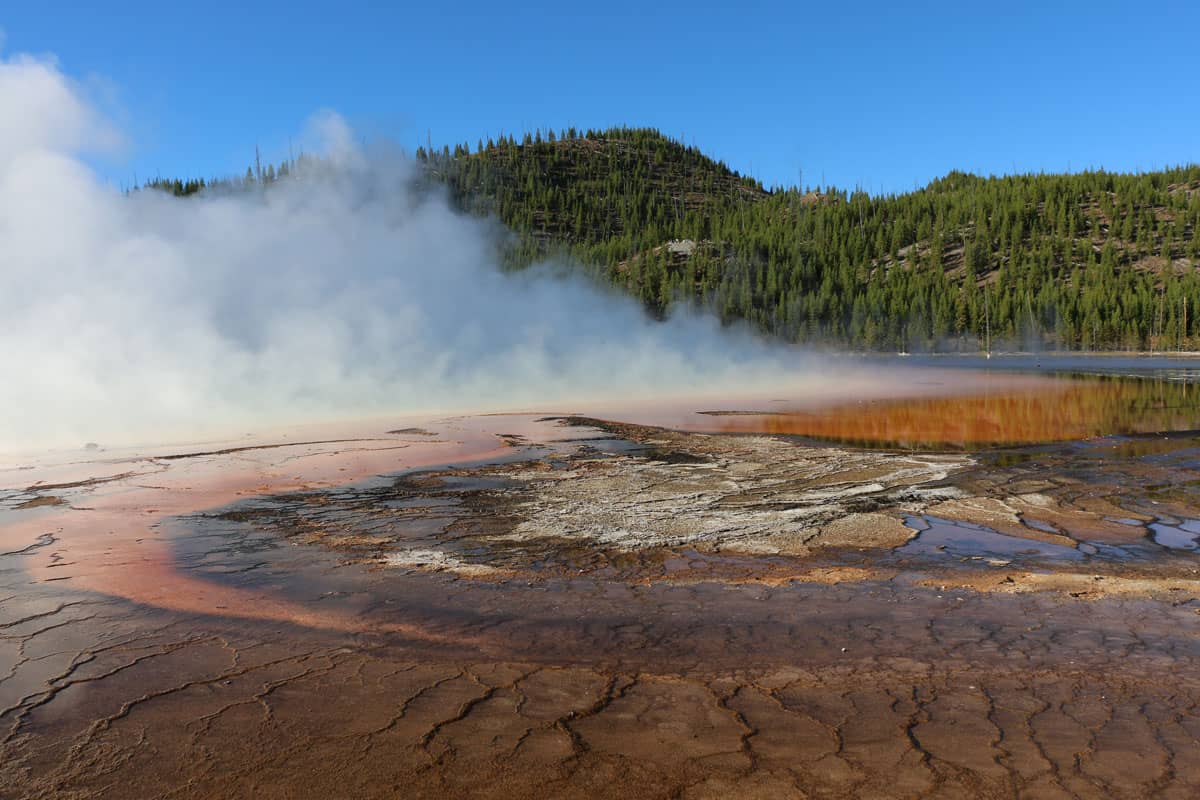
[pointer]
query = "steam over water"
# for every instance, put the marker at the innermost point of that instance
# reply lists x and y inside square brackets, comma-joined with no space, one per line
[125,318]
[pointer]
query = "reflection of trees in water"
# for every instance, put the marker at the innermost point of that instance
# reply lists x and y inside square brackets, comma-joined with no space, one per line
[1076,409]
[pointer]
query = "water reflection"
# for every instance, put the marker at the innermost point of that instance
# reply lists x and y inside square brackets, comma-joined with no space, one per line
[1060,410]
[965,539]
[1183,536]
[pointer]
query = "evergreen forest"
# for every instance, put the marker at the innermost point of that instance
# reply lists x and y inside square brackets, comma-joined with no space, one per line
[1085,261]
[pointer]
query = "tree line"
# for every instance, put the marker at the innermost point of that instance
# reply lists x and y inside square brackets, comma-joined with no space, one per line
[1092,260]
[1081,261]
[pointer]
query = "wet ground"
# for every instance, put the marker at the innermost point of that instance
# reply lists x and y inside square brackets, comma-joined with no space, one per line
[539,605]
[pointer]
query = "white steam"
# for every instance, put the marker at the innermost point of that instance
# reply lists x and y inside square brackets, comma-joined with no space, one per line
[128,317]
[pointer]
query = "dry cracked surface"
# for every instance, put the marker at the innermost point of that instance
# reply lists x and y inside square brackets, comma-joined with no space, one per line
[607,610]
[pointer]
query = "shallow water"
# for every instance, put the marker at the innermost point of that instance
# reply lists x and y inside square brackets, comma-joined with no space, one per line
[1184,535]
[1061,409]
[964,539]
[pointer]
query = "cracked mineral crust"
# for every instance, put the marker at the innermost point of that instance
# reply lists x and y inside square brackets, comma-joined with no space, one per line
[515,606]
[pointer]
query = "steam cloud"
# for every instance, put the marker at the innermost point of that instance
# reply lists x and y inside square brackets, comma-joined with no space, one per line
[129,317]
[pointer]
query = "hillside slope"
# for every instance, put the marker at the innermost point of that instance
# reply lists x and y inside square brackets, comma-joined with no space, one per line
[1091,260]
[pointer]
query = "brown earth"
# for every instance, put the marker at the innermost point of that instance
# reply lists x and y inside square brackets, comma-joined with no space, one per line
[535,608]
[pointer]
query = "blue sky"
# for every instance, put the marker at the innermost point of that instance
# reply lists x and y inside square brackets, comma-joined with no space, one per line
[869,94]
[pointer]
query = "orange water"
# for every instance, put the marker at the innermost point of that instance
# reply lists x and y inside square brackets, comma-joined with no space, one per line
[1057,410]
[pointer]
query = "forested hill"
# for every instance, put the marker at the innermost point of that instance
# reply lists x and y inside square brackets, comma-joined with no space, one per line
[1079,261]
[1094,260]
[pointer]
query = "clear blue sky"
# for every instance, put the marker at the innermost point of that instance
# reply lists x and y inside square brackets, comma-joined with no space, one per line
[882,95]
